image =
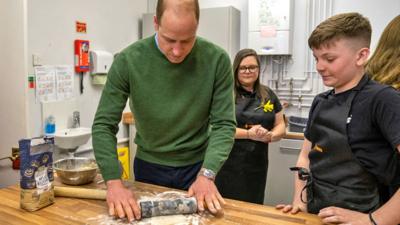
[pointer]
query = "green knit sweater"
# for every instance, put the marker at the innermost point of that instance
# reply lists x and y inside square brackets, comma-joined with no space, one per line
[184,113]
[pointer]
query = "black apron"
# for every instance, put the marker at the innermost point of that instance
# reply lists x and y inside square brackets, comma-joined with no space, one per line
[336,176]
[243,176]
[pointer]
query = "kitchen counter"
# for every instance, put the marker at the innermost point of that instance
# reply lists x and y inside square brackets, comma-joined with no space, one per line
[85,211]
[294,135]
[127,118]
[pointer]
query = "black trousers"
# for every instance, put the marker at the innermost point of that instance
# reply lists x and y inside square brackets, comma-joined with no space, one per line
[168,176]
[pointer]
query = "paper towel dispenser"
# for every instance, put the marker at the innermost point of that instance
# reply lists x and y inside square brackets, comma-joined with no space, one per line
[100,62]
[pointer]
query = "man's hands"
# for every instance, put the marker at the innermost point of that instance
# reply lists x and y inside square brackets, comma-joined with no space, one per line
[121,201]
[207,195]
[342,216]
[259,133]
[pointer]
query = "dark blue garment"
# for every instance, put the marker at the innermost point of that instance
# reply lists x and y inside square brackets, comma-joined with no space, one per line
[168,176]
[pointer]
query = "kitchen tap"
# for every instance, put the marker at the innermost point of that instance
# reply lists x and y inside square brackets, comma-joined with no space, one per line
[300,99]
[75,119]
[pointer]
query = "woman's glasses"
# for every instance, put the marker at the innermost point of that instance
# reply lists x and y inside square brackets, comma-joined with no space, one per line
[251,69]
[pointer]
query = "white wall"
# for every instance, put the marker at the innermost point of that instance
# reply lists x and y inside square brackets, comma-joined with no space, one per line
[111,26]
[378,12]
[13,80]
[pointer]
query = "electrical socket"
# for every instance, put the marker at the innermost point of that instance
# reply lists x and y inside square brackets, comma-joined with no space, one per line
[36,60]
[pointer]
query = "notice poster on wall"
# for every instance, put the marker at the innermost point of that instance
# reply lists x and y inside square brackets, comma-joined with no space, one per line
[65,82]
[54,83]
[45,84]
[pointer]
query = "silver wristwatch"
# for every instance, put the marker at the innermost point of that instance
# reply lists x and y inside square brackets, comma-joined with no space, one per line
[207,173]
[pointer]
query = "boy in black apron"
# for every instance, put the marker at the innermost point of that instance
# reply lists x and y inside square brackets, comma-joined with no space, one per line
[352,140]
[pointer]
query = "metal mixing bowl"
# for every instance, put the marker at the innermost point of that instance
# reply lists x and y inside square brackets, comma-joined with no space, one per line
[76,171]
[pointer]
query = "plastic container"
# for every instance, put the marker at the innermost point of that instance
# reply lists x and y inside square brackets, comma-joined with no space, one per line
[297,124]
[50,126]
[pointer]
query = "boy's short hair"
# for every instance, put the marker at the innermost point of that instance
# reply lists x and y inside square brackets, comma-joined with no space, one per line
[345,25]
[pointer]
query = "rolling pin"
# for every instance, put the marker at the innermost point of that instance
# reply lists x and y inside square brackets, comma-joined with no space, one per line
[165,207]
[80,192]
[148,208]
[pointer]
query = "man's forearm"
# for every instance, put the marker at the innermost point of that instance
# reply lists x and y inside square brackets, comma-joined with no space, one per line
[219,147]
[222,121]
[105,127]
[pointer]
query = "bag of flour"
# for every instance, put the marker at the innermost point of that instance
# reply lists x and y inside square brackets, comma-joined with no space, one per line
[36,172]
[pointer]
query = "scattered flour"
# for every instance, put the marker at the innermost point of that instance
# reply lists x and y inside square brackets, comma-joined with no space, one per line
[192,219]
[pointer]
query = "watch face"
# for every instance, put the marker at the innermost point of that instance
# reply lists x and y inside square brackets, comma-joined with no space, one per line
[208,173]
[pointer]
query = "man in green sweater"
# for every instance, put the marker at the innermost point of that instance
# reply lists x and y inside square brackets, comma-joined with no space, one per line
[180,89]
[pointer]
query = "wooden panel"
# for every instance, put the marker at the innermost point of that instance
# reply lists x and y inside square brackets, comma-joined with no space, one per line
[294,135]
[127,118]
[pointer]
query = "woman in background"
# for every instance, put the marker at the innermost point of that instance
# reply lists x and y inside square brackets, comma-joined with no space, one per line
[384,67]
[384,64]
[259,121]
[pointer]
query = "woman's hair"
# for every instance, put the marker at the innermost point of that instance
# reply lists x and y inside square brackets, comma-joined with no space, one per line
[260,89]
[384,66]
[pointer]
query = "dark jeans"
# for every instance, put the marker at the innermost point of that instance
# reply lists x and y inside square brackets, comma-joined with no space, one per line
[168,176]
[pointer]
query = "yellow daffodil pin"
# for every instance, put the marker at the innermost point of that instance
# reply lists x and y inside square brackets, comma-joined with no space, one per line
[268,107]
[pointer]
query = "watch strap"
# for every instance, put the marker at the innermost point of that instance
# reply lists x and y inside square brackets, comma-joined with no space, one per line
[207,173]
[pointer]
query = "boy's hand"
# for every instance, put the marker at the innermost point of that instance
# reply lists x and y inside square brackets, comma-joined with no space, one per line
[293,209]
[338,215]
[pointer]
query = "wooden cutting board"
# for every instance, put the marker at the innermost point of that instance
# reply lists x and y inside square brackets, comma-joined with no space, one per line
[86,211]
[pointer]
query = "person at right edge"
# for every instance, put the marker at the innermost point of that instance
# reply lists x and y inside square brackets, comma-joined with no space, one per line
[384,67]
[352,139]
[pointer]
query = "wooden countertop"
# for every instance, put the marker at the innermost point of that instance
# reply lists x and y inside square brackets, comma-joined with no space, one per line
[294,135]
[85,211]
